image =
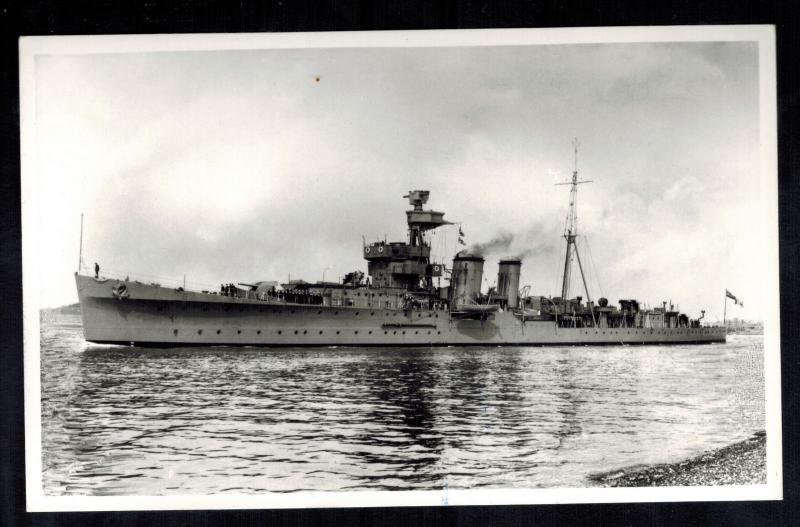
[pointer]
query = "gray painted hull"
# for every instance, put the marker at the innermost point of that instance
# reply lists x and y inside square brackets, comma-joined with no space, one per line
[158,316]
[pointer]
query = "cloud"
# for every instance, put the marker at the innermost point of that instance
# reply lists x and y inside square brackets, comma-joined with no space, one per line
[239,165]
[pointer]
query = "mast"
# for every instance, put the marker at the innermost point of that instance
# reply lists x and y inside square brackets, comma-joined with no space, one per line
[571,231]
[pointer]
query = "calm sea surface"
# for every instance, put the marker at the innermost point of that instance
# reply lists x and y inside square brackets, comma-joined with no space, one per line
[129,420]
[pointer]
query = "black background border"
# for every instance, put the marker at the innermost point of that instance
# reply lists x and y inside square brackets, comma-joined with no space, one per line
[156,16]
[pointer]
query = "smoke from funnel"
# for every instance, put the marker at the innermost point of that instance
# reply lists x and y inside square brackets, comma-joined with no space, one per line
[531,242]
[500,243]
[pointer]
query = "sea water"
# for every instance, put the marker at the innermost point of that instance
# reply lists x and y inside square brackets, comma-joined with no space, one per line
[136,421]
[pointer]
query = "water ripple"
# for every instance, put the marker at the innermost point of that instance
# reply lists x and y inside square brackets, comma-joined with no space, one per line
[127,420]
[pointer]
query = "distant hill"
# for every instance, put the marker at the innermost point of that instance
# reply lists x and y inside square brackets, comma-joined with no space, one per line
[71,309]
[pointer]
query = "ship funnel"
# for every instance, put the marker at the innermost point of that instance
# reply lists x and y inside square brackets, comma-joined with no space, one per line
[467,276]
[508,281]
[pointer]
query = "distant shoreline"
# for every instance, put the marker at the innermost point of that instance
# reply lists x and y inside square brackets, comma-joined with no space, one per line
[742,463]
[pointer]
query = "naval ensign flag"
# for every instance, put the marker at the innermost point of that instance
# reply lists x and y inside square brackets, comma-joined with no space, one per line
[730,295]
[736,300]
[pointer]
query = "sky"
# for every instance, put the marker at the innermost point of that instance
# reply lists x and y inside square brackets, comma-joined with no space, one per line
[247,165]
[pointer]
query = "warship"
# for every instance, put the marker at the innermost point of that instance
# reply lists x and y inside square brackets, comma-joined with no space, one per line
[399,302]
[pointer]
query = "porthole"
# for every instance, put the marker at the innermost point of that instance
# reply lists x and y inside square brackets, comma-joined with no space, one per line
[355,332]
[419,315]
[199,331]
[404,332]
[319,312]
[295,332]
[279,332]
[429,332]
[258,332]
[438,332]
[238,331]
[372,314]
[337,332]
[356,313]
[305,332]
[218,332]
[174,331]
[320,332]
[416,333]
[385,332]
[394,332]
[370,332]
[436,315]
[335,312]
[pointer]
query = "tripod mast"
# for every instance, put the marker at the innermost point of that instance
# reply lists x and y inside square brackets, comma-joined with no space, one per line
[571,229]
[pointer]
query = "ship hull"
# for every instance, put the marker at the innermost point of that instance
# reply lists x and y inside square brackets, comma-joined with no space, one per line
[149,315]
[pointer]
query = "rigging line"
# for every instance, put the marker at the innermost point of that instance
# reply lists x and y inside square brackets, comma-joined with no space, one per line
[592,276]
[558,261]
[591,263]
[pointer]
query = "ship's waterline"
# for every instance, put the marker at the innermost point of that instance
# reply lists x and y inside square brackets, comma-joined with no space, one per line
[151,315]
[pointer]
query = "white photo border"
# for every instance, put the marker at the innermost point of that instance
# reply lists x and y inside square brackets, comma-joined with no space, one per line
[31,47]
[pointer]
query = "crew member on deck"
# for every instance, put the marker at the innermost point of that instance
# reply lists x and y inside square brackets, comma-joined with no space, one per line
[96,270]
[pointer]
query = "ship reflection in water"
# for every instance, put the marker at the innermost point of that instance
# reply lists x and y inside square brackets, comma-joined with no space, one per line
[128,421]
